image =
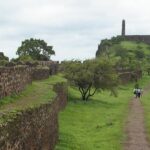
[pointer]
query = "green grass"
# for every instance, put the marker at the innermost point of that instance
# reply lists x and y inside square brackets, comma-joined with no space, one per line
[97,124]
[37,93]
[132,46]
[146,104]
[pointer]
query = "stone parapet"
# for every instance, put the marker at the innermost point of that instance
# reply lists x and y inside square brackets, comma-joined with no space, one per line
[36,128]
[14,79]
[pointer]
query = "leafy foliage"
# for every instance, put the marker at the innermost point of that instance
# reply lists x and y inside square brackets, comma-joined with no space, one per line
[36,49]
[139,54]
[104,47]
[3,59]
[91,76]
[3,62]
[121,52]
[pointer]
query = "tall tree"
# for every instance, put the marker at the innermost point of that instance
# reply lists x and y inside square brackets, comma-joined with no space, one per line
[35,48]
[91,76]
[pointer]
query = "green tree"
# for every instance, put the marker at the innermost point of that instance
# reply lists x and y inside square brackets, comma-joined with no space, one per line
[123,56]
[3,57]
[122,52]
[36,49]
[91,76]
[103,48]
[139,54]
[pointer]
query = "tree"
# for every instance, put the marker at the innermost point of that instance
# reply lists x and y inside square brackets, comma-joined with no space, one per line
[120,51]
[139,54]
[3,57]
[103,48]
[36,49]
[91,76]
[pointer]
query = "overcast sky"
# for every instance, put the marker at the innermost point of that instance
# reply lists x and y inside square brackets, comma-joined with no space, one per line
[73,27]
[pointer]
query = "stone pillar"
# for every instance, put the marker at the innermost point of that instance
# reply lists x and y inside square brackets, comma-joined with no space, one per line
[123,27]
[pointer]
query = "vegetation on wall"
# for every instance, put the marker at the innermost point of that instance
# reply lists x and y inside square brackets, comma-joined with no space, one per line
[3,59]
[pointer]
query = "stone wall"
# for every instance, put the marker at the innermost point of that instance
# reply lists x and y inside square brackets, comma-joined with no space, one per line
[126,77]
[53,66]
[34,129]
[39,73]
[140,38]
[14,79]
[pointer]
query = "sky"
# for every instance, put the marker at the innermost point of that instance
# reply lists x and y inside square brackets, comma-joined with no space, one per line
[73,27]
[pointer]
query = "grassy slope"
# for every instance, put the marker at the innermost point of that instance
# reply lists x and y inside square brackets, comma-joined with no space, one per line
[35,94]
[97,124]
[132,46]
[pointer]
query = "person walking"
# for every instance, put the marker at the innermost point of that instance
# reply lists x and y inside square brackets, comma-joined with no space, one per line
[139,92]
[135,92]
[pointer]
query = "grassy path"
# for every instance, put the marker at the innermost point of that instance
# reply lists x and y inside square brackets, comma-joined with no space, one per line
[146,105]
[135,130]
[138,123]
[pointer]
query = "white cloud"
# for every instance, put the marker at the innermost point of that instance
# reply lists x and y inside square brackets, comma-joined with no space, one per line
[73,27]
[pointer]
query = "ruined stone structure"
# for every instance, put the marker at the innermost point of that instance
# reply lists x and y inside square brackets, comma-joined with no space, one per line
[39,73]
[53,66]
[14,79]
[127,76]
[138,38]
[36,128]
[123,28]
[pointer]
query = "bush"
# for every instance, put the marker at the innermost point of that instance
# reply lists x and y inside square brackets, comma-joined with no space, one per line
[3,62]
[3,57]
[10,64]
[139,47]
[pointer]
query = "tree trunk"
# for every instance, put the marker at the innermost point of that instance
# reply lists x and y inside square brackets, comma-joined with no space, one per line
[83,96]
[86,94]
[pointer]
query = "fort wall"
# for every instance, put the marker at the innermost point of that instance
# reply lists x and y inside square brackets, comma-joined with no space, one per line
[129,76]
[36,128]
[52,65]
[14,79]
[138,38]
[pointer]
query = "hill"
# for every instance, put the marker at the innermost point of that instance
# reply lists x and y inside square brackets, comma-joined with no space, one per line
[130,46]
[128,54]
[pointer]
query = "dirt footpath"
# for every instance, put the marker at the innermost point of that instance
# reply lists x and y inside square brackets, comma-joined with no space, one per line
[135,128]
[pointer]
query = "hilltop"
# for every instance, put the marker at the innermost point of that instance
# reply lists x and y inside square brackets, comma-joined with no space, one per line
[130,46]
[129,49]
[128,54]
